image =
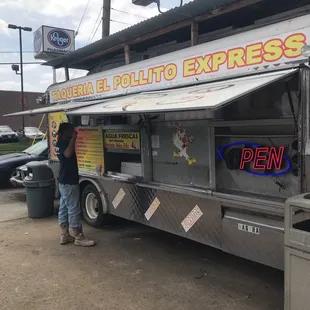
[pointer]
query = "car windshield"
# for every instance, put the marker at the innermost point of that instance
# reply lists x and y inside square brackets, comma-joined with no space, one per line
[37,148]
[5,129]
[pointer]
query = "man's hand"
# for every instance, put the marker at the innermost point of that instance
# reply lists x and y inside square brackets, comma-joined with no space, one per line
[71,147]
[74,135]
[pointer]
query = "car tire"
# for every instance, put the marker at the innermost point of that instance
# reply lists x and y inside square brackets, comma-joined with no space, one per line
[92,208]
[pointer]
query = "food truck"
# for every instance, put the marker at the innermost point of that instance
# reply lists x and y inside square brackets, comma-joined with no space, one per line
[206,142]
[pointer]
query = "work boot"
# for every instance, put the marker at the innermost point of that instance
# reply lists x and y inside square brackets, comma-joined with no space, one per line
[65,237]
[80,239]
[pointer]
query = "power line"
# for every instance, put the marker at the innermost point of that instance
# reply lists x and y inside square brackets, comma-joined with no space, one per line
[77,31]
[128,13]
[96,31]
[117,21]
[92,35]
[93,32]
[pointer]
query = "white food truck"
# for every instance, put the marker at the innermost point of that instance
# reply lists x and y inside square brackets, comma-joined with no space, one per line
[206,143]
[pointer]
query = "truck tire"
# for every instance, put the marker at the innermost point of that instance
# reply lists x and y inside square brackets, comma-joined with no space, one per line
[92,209]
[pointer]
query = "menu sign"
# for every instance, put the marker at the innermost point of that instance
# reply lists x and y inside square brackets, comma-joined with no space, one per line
[55,119]
[89,150]
[122,140]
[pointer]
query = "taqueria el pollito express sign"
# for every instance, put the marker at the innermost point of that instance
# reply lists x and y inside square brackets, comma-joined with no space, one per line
[266,48]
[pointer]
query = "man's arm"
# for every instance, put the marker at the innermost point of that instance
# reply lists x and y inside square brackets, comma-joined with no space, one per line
[71,147]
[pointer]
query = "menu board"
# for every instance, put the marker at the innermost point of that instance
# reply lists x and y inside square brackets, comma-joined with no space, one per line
[122,140]
[55,119]
[89,150]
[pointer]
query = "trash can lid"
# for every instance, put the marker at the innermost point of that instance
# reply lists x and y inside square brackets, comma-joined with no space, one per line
[40,171]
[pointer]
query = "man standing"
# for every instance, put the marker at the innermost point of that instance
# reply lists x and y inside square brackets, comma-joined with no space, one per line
[69,210]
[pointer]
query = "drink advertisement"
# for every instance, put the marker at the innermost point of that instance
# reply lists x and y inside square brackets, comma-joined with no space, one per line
[55,119]
[89,150]
[122,140]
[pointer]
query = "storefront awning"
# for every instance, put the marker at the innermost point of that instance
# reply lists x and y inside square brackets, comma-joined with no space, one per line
[57,108]
[209,96]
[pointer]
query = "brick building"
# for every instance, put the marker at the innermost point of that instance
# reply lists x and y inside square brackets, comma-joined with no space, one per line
[10,101]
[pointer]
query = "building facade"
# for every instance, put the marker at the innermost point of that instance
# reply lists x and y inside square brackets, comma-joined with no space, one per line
[10,101]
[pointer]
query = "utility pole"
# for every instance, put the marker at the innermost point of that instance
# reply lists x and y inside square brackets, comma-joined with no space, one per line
[106,16]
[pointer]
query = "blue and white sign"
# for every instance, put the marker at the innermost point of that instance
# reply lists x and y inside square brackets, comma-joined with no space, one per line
[59,38]
[50,42]
[37,41]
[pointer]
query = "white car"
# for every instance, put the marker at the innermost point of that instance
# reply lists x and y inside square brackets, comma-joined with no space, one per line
[7,134]
[33,133]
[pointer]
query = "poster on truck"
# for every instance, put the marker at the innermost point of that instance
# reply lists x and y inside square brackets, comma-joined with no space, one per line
[122,140]
[54,120]
[89,150]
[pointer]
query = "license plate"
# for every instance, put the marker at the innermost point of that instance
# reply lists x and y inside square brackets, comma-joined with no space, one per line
[249,229]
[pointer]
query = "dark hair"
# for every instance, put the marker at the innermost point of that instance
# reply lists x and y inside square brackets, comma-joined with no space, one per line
[63,127]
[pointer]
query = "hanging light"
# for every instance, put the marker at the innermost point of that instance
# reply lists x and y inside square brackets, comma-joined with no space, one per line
[305,51]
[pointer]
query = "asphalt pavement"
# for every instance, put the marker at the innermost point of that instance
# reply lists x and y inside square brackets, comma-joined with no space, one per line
[132,267]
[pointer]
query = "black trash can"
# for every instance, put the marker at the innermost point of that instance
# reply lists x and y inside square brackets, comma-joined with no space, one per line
[40,190]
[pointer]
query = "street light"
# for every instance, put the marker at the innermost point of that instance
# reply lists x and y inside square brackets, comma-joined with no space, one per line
[15,67]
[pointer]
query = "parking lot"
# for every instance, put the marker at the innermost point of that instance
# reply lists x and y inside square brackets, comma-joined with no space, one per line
[132,267]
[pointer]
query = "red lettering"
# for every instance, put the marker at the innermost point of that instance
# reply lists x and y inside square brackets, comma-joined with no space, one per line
[259,157]
[246,157]
[275,158]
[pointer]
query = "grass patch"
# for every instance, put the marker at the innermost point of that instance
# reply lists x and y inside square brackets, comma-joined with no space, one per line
[14,147]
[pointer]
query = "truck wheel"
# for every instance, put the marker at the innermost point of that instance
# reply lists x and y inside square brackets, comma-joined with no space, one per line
[92,208]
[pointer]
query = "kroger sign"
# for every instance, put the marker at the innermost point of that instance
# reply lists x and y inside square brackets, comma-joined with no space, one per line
[59,39]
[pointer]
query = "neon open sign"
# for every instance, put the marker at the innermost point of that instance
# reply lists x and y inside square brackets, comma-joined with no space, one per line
[255,159]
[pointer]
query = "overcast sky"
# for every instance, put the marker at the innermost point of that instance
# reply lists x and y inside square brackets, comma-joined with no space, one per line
[58,13]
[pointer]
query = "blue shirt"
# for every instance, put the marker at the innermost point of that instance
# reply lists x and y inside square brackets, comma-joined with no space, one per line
[69,172]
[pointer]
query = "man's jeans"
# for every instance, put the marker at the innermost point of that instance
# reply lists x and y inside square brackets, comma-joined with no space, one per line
[69,210]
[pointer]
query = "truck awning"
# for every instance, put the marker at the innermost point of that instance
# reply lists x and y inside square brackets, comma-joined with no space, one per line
[209,96]
[57,108]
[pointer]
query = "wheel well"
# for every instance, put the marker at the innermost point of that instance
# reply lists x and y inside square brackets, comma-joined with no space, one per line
[86,182]
[83,184]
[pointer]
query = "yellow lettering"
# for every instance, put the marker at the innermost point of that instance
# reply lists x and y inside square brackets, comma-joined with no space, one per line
[158,72]
[293,45]
[170,72]
[273,50]
[116,81]
[236,58]
[254,54]
[80,90]
[189,67]
[142,80]
[90,88]
[203,65]
[75,91]
[217,60]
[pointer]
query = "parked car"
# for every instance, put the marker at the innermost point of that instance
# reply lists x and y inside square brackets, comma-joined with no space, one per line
[7,135]
[32,133]
[18,176]
[9,162]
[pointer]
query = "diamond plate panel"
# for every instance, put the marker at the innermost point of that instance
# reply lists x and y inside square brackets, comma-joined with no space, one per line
[174,208]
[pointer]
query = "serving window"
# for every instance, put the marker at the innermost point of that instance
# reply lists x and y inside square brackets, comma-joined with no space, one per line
[122,149]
